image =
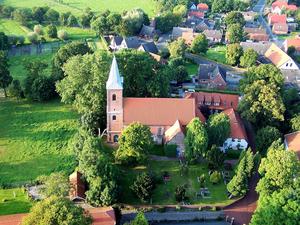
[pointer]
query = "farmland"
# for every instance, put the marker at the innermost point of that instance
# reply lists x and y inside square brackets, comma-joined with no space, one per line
[78,6]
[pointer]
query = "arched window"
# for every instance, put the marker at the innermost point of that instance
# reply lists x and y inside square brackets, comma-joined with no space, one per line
[114,97]
[114,117]
[116,137]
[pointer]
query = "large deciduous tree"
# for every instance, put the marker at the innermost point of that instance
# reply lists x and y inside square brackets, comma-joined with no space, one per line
[143,186]
[177,48]
[218,129]
[234,33]
[57,184]
[265,137]
[235,17]
[132,21]
[196,140]
[56,211]
[233,54]
[249,58]
[200,44]
[5,77]
[134,144]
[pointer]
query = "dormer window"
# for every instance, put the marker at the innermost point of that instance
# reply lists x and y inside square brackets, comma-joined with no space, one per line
[114,97]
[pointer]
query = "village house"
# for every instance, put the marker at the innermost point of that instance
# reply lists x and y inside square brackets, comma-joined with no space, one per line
[177,32]
[256,34]
[130,43]
[279,6]
[280,28]
[292,142]
[189,37]
[195,15]
[213,36]
[275,18]
[115,43]
[203,7]
[295,42]
[149,47]
[238,137]
[147,32]
[211,76]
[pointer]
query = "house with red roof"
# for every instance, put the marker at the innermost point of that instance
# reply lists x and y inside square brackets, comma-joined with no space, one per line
[295,42]
[238,137]
[280,28]
[292,142]
[195,14]
[279,6]
[275,18]
[203,7]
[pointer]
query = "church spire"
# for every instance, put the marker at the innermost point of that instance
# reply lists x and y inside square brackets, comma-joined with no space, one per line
[114,81]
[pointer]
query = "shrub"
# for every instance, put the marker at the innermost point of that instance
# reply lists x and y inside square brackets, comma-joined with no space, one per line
[215,177]
[202,180]
[12,39]
[171,150]
[21,40]
[180,193]
[143,186]
[51,31]
[33,37]
[4,200]
[62,34]
[233,154]
[38,29]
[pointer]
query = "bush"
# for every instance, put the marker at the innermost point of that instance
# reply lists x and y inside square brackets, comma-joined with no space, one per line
[233,154]
[215,177]
[143,186]
[12,39]
[202,180]
[21,40]
[4,200]
[33,37]
[171,150]
[62,34]
[51,31]
[180,193]
[38,29]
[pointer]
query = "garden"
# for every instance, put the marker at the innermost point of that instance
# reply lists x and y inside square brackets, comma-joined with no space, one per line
[217,54]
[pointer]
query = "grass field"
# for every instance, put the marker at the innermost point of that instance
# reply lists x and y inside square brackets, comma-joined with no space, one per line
[16,63]
[78,6]
[192,68]
[164,193]
[76,33]
[13,201]
[217,54]
[33,139]
[12,27]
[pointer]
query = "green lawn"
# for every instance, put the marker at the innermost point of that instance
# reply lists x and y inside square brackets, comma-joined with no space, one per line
[13,201]
[76,33]
[16,63]
[217,53]
[78,6]
[288,36]
[191,68]
[34,139]
[164,193]
[12,27]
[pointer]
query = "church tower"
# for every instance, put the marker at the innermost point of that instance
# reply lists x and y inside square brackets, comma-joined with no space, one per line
[114,109]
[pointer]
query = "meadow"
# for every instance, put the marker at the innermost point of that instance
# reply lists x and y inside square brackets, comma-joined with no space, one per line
[34,140]
[217,54]
[13,201]
[77,6]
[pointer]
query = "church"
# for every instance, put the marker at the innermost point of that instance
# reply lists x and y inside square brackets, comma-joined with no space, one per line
[166,117]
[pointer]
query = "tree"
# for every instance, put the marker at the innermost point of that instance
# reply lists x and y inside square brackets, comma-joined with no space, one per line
[295,123]
[265,137]
[62,34]
[56,211]
[100,24]
[3,41]
[282,205]
[63,18]
[249,58]
[51,16]
[215,177]
[262,104]
[51,31]
[132,21]
[218,129]
[57,184]
[33,37]
[140,219]
[278,170]
[166,21]
[65,53]
[215,158]
[134,144]
[38,29]
[233,54]
[199,44]
[234,33]
[143,186]
[196,140]
[234,17]
[15,89]
[5,77]
[219,6]
[38,13]
[177,48]
[180,10]
[72,21]
[291,51]
[22,15]
[179,71]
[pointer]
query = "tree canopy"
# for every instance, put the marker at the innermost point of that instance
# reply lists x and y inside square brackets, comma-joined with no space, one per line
[265,137]
[234,33]
[177,48]
[233,54]
[5,77]
[234,17]
[200,44]
[218,129]
[249,58]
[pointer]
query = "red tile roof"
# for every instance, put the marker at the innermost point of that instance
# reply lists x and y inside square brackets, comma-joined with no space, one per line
[294,42]
[292,141]
[275,18]
[196,14]
[15,219]
[159,111]
[259,37]
[202,6]
[226,100]
[280,28]
[282,5]
[102,216]
[237,129]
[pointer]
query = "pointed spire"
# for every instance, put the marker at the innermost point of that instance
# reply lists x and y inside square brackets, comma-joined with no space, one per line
[114,80]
